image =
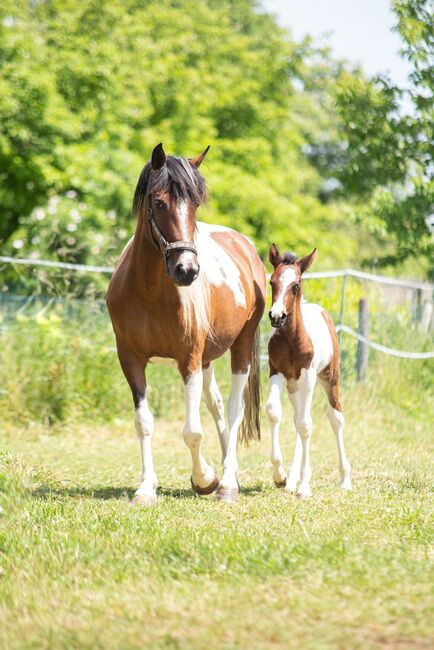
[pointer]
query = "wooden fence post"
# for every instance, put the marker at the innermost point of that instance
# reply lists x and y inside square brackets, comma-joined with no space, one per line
[362,348]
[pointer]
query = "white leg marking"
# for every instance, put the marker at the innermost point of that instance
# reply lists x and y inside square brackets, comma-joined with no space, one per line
[235,417]
[303,425]
[294,473]
[274,412]
[202,473]
[337,422]
[215,405]
[144,422]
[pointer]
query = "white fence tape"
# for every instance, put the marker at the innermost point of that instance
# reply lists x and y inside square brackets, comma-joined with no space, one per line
[383,348]
[59,265]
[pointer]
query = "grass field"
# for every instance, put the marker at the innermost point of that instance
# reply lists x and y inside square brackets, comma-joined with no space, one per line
[82,568]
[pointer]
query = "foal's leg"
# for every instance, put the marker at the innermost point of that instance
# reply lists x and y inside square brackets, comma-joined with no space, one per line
[274,412]
[303,425]
[134,372]
[215,405]
[294,474]
[203,478]
[337,422]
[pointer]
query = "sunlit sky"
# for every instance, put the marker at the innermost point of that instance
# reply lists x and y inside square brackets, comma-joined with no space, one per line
[356,30]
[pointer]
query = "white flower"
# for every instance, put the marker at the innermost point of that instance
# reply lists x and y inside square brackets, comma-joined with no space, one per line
[71,194]
[39,214]
[70,241]
[111,214]
[95,250]
[35,239]
[18,243]
[74,214]
[99,238]
[71,227]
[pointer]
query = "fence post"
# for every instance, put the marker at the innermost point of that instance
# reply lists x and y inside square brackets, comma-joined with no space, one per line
[341,312]
[417,309]
[362,348]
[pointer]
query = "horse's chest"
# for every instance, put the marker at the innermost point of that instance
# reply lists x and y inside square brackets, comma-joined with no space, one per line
[289,360]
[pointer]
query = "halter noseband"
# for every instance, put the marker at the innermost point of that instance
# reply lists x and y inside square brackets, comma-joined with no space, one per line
[163,245]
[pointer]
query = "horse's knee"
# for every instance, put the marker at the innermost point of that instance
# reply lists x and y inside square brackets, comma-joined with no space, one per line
[274,410]
[144,420]
[193,439]
[304,426]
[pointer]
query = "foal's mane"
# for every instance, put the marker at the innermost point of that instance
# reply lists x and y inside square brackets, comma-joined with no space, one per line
[289,258]
[178,177]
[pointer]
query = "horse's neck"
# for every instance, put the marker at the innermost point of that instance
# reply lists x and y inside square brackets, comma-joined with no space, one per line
[295,330]
[147,267]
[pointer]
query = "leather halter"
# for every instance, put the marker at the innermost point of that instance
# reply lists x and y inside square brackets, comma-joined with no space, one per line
[163,245]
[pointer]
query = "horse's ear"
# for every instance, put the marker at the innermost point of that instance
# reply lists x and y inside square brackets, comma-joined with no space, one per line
[198,159]
[158,157]
[304,263]
[274,256]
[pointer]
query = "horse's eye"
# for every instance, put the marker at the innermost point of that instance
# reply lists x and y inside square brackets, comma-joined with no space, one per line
[295,289]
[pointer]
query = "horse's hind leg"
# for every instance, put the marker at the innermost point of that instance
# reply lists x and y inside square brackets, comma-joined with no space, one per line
[215,405]
[241,359]
[203,479]
[134,372]
[337,422]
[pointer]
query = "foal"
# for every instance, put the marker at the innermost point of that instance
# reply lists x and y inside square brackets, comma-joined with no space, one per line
[303,348]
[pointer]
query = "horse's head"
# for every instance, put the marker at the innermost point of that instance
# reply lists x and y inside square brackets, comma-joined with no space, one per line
[286,283]
[172,189]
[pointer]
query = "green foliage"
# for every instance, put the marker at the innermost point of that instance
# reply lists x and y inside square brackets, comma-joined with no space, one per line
[389,154]
[87,92]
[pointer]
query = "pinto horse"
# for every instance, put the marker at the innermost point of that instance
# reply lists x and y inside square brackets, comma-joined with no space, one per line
[188,291]
[303,348]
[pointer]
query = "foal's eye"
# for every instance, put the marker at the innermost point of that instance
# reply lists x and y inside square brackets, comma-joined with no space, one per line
[159,203]
[295,289]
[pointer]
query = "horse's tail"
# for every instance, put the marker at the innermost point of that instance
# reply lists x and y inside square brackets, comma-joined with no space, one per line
[251,425]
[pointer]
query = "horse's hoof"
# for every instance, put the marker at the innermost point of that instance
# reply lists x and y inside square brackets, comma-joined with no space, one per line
[304,495]
[144,500]
[209,489]
[280,484]
[229,495]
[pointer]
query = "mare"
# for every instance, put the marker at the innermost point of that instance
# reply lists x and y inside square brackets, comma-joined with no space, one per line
[303,348]
[188,291]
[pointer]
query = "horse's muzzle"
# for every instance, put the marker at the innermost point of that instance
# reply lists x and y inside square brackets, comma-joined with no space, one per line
[277,321]
[185,274]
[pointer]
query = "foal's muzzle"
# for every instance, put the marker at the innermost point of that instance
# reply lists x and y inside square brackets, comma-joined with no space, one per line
[277,320]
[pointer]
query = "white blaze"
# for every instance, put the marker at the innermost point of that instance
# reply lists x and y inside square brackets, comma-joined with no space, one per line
[287,277]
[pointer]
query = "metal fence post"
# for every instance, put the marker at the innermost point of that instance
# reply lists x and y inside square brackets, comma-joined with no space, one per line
[362,348]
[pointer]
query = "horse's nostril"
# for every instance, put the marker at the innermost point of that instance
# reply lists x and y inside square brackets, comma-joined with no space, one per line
[270,315]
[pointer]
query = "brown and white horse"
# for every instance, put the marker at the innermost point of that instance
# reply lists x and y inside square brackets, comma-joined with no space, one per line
[188,291]
[303,348]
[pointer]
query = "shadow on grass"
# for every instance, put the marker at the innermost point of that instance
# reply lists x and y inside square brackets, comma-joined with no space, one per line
[123,493]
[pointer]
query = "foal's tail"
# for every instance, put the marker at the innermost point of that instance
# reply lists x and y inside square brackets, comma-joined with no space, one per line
[251,425]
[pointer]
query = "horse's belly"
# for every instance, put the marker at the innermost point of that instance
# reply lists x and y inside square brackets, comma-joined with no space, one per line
[163,361]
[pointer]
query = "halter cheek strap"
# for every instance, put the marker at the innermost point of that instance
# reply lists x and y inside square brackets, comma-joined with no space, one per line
[163,245]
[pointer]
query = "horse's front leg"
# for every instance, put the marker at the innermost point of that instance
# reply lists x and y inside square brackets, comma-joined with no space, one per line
[134,371]
[203,478]
[274,412]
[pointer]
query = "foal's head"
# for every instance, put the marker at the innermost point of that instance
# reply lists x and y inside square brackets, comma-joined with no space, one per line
[170,189]
[286,283]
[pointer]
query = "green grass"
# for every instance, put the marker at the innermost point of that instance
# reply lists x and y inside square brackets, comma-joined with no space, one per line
[82,568]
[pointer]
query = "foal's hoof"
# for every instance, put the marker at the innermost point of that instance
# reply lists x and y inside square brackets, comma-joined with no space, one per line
[144,500]
[280,484]
[209,489]
[229,495]
[304,495]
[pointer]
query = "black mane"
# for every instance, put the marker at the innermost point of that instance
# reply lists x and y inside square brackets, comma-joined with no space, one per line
[178,177]
[289,258]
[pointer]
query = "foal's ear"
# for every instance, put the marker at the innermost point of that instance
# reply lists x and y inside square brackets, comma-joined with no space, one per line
[158,157]
[274,256]
[304,263]
[197,160]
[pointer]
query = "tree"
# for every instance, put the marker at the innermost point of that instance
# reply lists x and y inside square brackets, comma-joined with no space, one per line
[387,164]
